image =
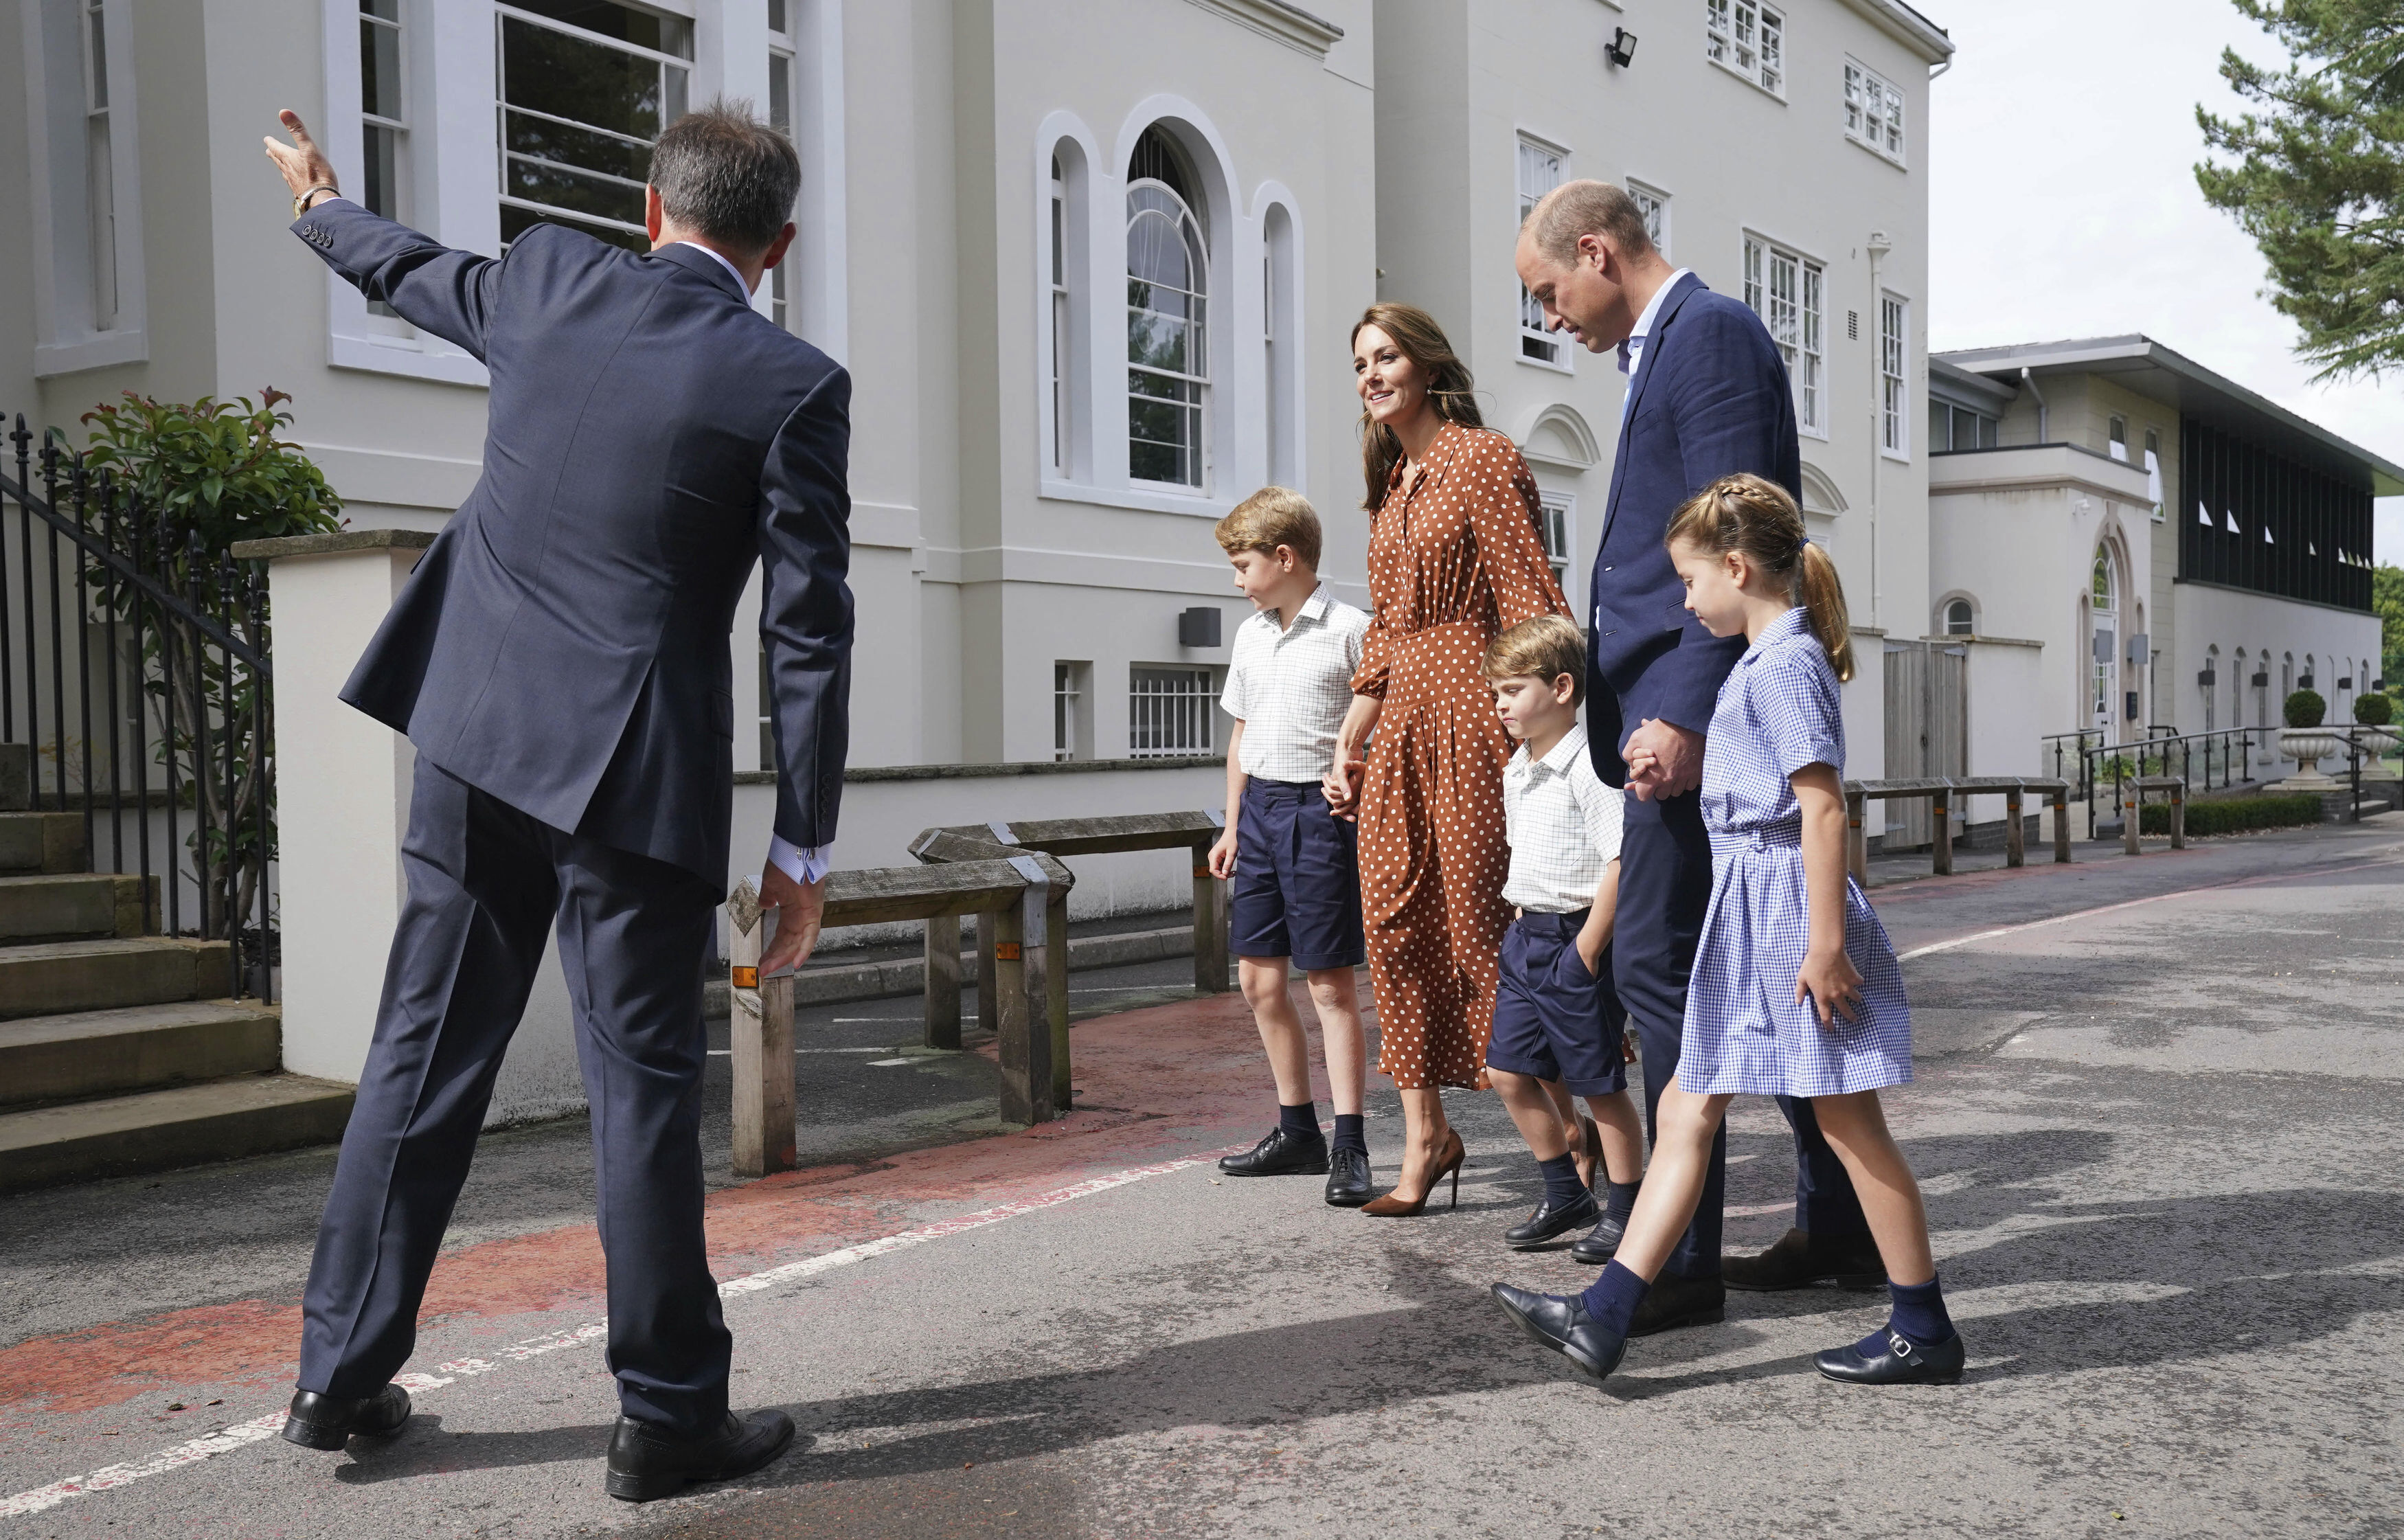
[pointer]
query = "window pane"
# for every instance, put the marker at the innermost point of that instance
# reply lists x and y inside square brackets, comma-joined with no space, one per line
[96,61]
[380,69]
[667,34]
[556,186]
[381,151]
[781,92]
[562,143]
[565,77]
[777,22]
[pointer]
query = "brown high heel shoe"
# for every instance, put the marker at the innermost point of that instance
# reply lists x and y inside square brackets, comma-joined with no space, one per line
[1391,1207]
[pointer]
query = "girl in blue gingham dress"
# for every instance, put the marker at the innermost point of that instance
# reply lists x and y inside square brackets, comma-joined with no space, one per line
[1795,990]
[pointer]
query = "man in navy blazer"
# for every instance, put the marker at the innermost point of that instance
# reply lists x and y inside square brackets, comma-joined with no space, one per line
[1707,397]
[560,660]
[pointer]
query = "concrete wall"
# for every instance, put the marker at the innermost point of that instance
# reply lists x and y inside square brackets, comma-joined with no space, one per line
[2286,633]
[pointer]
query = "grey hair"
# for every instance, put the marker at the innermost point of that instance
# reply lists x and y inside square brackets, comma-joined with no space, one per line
[724,174]
[1585,208]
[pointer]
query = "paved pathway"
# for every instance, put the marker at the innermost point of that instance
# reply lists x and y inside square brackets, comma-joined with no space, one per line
[2160,1136]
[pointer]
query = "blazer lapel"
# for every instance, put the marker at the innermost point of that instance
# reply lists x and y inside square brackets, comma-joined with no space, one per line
[1646,367]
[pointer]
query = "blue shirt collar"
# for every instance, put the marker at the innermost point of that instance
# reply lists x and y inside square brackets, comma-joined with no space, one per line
[1794,623]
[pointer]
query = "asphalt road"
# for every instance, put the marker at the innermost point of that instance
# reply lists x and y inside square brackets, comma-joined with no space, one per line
[2157,1114]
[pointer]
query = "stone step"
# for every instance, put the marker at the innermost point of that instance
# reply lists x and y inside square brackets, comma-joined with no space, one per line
[86,1054]
[16,777]
[80,903]
[155,1131]
[47,978]
[41,842]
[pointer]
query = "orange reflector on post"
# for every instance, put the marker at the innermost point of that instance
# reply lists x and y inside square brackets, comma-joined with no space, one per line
[1006,951]
[747,978]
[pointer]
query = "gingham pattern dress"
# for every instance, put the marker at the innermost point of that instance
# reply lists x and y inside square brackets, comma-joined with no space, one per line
[1745,1032]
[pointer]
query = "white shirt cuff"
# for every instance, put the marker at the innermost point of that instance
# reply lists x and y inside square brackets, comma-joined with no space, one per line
[797,863]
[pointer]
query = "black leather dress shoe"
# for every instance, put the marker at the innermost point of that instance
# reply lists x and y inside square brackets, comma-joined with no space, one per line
[1900,1361]
[647,1462]
[326,1422]
[1600,1244]
[1802,1261]
[1562,1325]
[1549,1224]
[1675,1302]
[1281,1155]
[1348,1179]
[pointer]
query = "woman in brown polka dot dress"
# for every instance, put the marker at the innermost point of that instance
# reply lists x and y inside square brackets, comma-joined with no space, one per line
[1454,558]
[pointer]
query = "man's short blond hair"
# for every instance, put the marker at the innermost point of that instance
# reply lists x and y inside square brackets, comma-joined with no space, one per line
[1585,208]
[1543,649]
[1269,518]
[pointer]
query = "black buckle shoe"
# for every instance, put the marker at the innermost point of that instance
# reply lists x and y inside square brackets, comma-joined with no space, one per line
[1562,1325]
[1348,1179]
[1549,1223]
[1900,1362]
[1673,1302]
[325,1423]
[1800,1262]
[647,1462]
[1281,1155]
[1601,1243]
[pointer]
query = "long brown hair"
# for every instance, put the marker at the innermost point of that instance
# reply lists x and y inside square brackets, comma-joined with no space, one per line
[1423,342]
[1744,512]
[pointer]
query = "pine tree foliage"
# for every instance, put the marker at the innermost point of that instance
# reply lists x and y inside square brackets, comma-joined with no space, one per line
[2314,173]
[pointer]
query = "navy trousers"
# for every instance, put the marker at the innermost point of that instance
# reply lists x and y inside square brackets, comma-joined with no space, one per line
[1665,886]
[486,885]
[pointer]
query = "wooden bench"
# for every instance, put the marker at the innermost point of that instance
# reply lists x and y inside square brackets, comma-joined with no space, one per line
[1942,792]
[2132,796]
[1023,897]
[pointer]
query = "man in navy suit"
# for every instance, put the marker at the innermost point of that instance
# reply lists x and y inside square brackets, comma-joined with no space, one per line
[561,661]
[1707,397]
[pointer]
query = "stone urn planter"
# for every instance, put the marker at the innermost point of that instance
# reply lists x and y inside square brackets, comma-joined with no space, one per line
[2307,747]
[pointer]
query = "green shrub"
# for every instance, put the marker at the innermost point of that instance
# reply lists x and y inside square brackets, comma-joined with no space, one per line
[2373,711]
[2305,708]
[2232,814]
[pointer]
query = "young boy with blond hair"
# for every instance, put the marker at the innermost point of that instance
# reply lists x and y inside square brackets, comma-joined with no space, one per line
[1558,1027]
[1297,883]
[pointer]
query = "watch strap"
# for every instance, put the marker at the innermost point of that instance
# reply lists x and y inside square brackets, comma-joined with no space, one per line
[301,204]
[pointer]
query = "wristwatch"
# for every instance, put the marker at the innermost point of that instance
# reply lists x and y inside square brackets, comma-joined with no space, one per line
[301,204]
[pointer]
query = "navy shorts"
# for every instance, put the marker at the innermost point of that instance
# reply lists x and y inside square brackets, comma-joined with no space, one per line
[1552,1018]
[1297,880]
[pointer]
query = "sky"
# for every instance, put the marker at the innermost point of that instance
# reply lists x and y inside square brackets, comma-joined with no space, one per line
[2063,202]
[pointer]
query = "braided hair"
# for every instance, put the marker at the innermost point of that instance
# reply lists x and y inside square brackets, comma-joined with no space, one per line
[1744,512]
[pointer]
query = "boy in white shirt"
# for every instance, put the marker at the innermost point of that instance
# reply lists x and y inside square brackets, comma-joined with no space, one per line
[1558,1027]
[1297,883]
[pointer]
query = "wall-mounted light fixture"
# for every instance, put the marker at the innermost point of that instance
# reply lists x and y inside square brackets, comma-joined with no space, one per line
[1198,626]
[1621,51]
[2207,678]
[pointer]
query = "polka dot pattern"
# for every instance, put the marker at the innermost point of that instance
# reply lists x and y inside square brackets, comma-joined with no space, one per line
[1454,558]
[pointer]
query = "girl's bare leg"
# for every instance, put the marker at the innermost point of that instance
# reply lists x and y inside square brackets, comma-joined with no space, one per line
[1855,1127]
[1673,1183]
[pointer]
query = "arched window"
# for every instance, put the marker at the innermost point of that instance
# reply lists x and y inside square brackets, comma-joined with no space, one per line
[1280,346]
[2210,683]
[2103,604]
[1169,287]
[1960,619]
[1064,330]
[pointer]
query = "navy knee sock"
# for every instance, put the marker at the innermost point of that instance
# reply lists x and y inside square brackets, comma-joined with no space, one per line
[1623,1198]
[1351,1133]
[1610,1300]
[1300,1122]
[1561,1183]
[1919,1315]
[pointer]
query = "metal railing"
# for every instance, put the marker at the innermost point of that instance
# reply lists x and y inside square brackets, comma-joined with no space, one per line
[2200,760]
[155,715]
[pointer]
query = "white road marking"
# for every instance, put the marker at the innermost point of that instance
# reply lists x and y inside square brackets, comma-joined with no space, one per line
[886,1063]
[240,1434]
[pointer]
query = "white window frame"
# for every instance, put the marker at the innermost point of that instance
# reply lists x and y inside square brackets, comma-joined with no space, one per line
[1214,295]
[63,221]
[1874,113]
[1805,346]
[784,68]
[1748,39]
[1654,204]
[1894,375]
[1531,160]
[1557,530]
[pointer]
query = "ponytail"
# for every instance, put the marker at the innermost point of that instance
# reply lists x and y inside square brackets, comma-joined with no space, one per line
[1744,512]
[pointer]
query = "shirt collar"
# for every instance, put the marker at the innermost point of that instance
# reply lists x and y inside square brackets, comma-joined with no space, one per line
[1636,338]
[1311,609]
[735,273]
[1793,623]
[1565,753]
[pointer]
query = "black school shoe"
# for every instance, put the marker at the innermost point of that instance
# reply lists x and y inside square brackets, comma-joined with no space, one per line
[1281,1155]
[1549,1224]
[1799,1261]
[1601,1243]
[1899,1361]
[324,1422]
[1560,1325]
[1673,1302]
[1348,1179]
[646,1461]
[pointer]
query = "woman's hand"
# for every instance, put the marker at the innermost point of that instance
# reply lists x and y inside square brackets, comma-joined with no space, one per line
[1342,785]
[1222,855]
[1833,985]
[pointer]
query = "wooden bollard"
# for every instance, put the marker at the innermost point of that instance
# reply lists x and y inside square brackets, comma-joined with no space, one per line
[1025,1051]
[1857,839]
[2130,799]
[2062,825]
[1210,926]
[760,1032]
[943,982]
[1940,831]
[2178,817]
[2015,836]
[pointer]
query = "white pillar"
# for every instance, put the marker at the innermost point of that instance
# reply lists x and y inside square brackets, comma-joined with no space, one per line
[342,789]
